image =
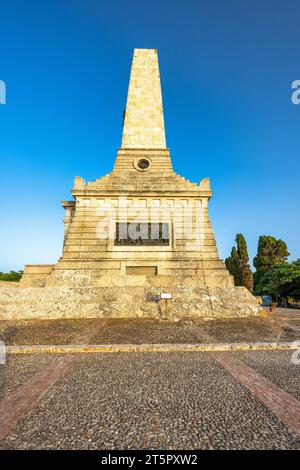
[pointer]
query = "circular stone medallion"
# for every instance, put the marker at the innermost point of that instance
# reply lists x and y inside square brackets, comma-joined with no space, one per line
[142,164]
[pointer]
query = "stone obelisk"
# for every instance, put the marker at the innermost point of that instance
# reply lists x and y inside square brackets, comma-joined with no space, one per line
[144,121]
[100,276]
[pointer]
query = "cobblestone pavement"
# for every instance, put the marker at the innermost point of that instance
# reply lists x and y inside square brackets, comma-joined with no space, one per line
[111,331]
[276,367]
[19,369]
[151,400]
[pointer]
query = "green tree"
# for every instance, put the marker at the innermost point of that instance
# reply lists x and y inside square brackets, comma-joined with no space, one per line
[270,252]
[282,280]
[238,263]
[11,276]
[233,266]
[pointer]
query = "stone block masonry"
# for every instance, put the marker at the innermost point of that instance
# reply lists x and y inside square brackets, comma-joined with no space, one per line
[143,120]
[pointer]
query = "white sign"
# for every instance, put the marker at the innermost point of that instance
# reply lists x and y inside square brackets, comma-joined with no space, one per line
[2,352]
[165,295]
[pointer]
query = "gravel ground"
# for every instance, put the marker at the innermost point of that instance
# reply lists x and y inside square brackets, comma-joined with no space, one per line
[250,330]
[110,331]
[140,331]
[46,331]
[102,331]
[286,312]
[277,367]
[18,369]
[149,400]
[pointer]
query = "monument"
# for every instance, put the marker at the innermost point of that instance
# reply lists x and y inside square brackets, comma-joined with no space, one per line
[138,242]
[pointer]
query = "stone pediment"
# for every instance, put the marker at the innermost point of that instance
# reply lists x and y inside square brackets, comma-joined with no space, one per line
[158,177]
[151,183]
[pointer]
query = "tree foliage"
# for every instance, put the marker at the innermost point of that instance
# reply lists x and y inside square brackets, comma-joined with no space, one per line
[237,263]
[11,276]
[270,252]
[282,280]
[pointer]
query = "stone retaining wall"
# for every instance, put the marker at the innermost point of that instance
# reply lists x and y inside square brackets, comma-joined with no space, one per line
[126,301]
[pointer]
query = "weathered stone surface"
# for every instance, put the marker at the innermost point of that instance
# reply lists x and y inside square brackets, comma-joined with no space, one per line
[126,301]
[35,275]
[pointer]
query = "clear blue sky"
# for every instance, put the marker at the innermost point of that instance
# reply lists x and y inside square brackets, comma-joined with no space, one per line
[226,68]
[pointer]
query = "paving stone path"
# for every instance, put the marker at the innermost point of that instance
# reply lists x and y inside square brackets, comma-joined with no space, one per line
[189,400]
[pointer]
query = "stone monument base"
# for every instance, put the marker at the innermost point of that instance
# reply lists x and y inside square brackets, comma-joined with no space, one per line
[128,297]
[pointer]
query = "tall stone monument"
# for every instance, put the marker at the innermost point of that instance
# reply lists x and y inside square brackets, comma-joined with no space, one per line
[138,242]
